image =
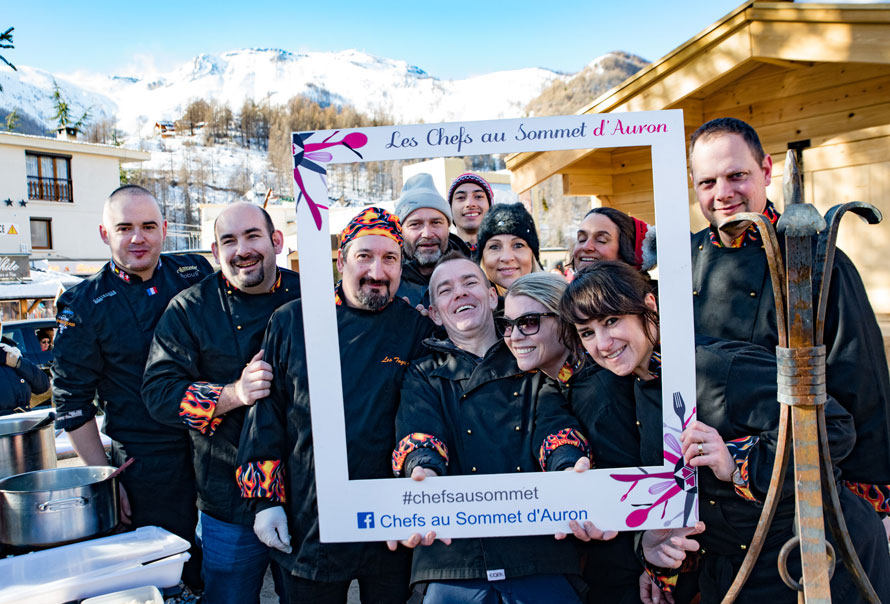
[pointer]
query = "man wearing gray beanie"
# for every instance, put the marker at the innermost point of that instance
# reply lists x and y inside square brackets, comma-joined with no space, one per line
[425,217]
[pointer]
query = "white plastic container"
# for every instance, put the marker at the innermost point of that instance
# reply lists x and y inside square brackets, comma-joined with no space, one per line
[147,556]
[147,594]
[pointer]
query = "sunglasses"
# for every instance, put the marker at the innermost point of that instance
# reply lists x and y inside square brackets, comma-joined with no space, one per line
[528,324]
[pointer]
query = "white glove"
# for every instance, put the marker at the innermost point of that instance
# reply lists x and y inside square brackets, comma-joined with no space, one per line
[12,354]
[270,527]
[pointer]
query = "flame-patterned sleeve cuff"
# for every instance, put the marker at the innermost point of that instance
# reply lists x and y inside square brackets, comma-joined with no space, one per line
[566,436]
[664,578]
[740,449]
[198,405]
[412,442]
[877,495]
[261,479]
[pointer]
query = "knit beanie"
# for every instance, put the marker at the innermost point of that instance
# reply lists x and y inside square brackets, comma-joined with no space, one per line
[420,192]
[645,253]
[473,178]
[508,219]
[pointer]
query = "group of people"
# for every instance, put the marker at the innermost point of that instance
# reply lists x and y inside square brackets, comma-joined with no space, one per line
[460,355]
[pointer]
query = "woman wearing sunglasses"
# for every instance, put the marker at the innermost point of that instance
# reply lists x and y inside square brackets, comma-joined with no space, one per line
[531,329]
[732,443]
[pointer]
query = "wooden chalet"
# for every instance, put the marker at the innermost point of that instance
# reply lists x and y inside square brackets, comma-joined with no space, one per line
[809,77]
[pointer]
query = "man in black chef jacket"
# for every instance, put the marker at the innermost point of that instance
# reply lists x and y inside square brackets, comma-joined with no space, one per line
[379,337]
[733,296]
[106,324]
[204,371]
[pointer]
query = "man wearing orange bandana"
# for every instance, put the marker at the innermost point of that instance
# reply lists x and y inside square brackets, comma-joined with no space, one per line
[379,337]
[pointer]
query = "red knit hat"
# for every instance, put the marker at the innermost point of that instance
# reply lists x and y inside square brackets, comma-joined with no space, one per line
[644,245]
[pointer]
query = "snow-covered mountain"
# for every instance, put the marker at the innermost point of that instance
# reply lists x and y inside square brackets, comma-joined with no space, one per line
[370,84]
[30,90]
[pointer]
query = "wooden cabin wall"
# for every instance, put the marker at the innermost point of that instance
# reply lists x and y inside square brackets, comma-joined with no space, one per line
[843,110]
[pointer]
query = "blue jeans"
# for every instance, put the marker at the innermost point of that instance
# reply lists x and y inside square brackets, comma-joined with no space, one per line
[235,562]
[521,590]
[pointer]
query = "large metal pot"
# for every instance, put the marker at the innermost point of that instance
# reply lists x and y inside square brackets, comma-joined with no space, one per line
[23,451]
[52,507]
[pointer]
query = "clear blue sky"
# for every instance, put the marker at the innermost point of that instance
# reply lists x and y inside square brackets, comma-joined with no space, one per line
[446,39]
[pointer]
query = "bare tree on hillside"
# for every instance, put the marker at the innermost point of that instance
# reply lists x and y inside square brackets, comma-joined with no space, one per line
[104,131]
[220,122]
[12,120]
[197,112]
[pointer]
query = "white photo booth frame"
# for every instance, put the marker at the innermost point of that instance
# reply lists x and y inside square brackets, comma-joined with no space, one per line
[520,503]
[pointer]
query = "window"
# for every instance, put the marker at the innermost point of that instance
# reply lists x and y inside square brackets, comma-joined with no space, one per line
[41,233]
[49,177]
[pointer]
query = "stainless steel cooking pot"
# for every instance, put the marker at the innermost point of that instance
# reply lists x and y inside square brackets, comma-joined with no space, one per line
[22,450]
[51,507]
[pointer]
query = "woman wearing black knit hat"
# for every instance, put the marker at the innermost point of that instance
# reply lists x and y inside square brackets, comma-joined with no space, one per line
[508,245]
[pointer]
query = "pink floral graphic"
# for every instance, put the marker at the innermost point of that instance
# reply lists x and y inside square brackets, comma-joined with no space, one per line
[669,484]
[307,154]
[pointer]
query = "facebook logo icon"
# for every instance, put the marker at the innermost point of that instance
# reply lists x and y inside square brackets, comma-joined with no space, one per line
[365,520]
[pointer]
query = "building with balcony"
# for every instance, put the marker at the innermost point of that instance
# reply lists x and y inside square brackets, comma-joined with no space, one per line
[51,196]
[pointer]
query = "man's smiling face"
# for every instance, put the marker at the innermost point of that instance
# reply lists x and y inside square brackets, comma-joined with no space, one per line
[461,299]
[727,178]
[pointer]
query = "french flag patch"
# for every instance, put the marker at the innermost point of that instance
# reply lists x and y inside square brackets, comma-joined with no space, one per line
[151,291]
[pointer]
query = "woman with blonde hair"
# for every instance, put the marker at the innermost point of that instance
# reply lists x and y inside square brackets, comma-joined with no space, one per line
[531,328]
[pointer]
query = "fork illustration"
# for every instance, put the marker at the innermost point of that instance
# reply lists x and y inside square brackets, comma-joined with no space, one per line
[680,408]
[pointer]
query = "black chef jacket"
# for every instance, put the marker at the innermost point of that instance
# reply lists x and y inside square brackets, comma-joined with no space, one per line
[733,299]
[106,324]
[605,406]
[375,349]
[203,341]
[736,394]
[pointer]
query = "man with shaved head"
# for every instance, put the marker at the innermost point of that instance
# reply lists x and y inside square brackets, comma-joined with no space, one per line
[106,324]
[205,370]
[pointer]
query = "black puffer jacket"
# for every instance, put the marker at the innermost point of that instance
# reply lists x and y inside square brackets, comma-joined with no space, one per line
[484,412]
